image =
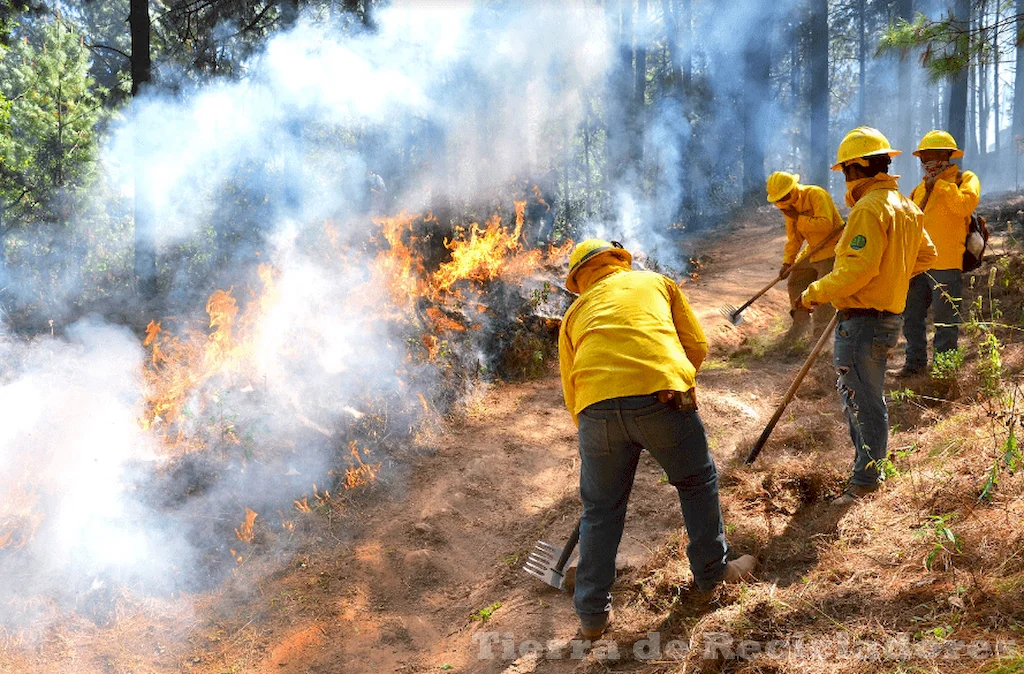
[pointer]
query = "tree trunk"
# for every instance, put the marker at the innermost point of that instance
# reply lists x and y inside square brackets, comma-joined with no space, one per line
[289,12]
[145,229]
[794,94]
[995,79]
[686,33]
[586,161]
[679,92]
[618,98]
[817,91]
[639,85]
[905,96]
[862,64]
[755,94]
[957,111]
[640,81]
[1018,84]
[981,106]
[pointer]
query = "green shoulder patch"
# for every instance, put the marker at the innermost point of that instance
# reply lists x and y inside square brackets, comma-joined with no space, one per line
[858,242]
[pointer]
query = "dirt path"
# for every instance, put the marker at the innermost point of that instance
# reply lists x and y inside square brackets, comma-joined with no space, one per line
[431,580]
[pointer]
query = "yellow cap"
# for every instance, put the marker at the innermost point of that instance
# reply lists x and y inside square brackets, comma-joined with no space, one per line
[861,142]
[936,139]
[585,251]
[780,184]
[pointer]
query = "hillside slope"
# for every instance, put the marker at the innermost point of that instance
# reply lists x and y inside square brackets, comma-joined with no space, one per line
[421,573]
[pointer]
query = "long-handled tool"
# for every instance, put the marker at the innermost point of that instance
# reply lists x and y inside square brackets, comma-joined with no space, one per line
[548,562]
[822,341]
[734,315]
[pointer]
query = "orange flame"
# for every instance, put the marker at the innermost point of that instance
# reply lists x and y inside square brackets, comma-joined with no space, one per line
[180,366]
[245,532]
[359,473]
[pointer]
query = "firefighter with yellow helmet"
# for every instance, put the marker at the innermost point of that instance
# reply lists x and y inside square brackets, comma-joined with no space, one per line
[882,247]
[811,217]
[629,350]
[948,197]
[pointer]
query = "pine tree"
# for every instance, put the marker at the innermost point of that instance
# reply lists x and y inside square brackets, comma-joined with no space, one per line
[48,144]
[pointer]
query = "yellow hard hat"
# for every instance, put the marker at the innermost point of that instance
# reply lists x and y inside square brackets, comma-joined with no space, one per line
[585,251]
[780,184]
[861,142]
[936,139]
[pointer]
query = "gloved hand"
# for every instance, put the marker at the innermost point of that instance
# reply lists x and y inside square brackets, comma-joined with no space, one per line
[801,303]
[784,271]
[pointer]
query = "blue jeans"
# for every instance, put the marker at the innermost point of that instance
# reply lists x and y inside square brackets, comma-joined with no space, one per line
[941,289]
[861,349]
[612,434]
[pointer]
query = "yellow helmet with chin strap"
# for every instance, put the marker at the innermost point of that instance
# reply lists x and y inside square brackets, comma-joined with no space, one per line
[936,139]
[585,251]
[780,184]
[861,143]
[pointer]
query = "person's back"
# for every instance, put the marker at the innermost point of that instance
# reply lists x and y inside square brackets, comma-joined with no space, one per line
[629,349]
[631,333]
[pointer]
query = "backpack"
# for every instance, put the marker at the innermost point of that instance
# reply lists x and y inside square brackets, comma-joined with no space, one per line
[974,246]
[977,239]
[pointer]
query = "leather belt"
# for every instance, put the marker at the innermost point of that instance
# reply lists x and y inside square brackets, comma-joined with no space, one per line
[684,401]
[845,314]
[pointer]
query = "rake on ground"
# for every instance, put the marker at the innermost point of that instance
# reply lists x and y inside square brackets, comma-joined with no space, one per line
[734,315]
[548,562]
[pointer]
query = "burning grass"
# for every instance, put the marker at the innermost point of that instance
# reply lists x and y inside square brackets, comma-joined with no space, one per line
[243,441]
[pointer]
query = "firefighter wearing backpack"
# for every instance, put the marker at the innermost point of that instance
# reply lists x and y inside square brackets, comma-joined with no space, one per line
[948,197]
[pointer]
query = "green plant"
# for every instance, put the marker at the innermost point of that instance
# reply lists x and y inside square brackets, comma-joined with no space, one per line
[485,614]
[541,295]
[946,364]
[991,365]
[945,542]
[1009,459]
[1010,665]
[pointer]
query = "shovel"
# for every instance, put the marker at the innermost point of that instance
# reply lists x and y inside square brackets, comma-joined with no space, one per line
[734,315]
[548,562]
[792,389]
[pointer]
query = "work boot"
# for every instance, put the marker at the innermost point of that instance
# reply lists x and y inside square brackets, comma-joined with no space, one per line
[911,371]
[854,493]
[593,626]
[740,569]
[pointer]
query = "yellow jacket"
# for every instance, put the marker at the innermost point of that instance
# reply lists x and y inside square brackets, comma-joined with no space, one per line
[947,214]
[810,219]
[883,246]
[628,333]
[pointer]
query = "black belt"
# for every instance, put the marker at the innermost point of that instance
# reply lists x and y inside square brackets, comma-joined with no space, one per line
[845,314]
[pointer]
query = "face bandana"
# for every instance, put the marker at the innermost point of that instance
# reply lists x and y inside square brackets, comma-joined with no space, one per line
[851,187]
[934,168]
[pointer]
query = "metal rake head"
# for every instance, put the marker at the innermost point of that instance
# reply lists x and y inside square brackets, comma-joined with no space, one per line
[732,314]
[542,563]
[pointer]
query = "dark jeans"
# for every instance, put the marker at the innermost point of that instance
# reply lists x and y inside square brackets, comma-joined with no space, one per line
[612,434]
[941,289]
[861,349]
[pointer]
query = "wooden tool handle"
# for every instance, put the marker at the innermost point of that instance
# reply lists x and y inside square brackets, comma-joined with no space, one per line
[792,389]
[570,545]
